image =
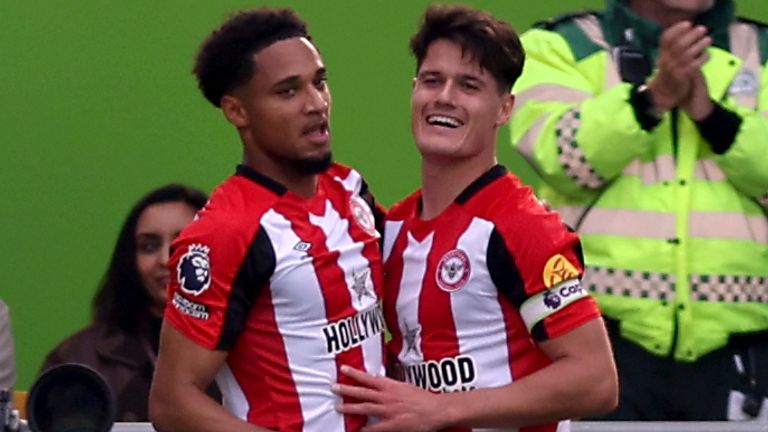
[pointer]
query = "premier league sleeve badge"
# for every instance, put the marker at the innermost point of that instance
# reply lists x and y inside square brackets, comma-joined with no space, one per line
[194,270]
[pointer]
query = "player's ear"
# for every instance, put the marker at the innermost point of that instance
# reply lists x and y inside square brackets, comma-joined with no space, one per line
[234,110]
[505,111]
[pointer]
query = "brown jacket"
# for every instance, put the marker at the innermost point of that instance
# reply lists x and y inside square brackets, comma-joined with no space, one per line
[126,360]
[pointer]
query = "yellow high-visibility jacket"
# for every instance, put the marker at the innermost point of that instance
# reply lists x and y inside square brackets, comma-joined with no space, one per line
[672,216]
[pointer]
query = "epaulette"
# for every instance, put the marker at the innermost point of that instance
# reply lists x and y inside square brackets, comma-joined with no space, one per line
[552,23]
[760,24]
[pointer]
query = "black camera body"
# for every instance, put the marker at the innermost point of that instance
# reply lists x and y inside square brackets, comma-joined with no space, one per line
[70,396]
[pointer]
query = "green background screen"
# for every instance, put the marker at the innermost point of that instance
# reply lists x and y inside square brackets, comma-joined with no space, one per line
[99,106]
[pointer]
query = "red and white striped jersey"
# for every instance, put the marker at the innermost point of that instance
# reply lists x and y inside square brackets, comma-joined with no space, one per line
[469,293]
[291,288]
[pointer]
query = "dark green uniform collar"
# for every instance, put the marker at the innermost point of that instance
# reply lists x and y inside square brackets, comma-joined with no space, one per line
[619,18]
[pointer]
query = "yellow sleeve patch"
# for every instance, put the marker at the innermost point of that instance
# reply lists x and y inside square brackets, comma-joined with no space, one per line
[558,269]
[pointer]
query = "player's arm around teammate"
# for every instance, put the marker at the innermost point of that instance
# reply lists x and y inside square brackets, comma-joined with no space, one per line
[581,380]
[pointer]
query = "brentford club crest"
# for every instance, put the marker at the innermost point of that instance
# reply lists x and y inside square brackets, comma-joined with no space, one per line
[362,215]
[453,270]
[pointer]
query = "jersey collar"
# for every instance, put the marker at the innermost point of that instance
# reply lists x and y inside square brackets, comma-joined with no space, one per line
[486,178]
[257,177]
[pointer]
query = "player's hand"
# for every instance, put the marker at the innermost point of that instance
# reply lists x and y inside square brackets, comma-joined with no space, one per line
[682,51]
[400,407]
[698,104]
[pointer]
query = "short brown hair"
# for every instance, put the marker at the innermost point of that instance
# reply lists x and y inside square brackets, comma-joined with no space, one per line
[492,42]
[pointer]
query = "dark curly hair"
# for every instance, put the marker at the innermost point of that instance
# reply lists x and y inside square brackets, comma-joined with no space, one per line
[225,58]
[492,42]
[121,299]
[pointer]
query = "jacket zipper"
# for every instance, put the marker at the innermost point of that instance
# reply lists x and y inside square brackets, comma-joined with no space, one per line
[675,322]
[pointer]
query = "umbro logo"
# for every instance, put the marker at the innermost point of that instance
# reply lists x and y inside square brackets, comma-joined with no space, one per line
[302,246]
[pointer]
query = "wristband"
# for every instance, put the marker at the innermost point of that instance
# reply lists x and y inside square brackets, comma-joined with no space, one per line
[719,128]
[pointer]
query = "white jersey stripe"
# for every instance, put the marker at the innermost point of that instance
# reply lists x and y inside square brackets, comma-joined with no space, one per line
[352,182]
[233,397]
[408,300]
[477,314]
[303,348]
[336,231]
[392,230]
[359,284]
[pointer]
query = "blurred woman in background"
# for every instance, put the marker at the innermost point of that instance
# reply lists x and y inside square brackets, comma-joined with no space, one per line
[121,343]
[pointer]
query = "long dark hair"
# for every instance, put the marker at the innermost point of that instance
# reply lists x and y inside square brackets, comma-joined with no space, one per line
[121,299]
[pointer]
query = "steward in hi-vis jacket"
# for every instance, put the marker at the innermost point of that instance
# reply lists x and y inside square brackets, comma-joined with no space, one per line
[648,123]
